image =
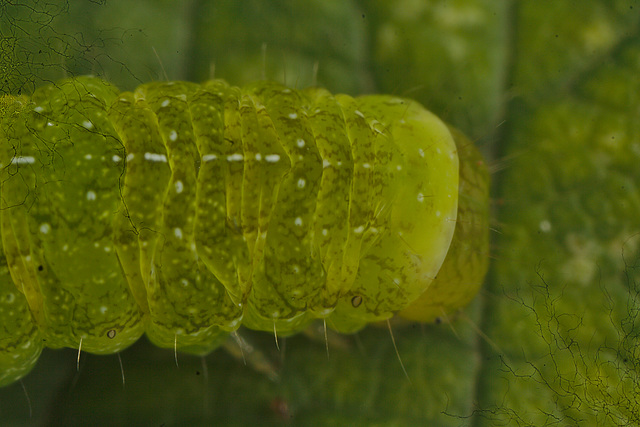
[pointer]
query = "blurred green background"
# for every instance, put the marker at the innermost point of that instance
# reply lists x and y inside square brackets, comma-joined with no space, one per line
[549,90]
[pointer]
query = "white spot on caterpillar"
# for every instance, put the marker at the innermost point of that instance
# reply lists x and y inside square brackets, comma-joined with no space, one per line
[38,109]
[438,214]
[155,157]
[421,152]
[325,231]
[545,226]
[420,197]
[177,232]
[49,124]
[235,157]
[399,167]
[298,221]
[366,165]
[103,309]
[325,163]
[272,158]
[358,230]
[359,114]
[301,183]
[375,125]
[130,157]
[173,135]
[87,124]
[91,195]
[116,158]
[179,187]
[209,157]
[88,156]
[258,157]
[165,103]
[20,160]
[300,142]
[293,116]
[45,228]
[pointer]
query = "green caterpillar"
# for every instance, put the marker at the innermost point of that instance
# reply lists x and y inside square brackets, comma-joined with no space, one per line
[184,211]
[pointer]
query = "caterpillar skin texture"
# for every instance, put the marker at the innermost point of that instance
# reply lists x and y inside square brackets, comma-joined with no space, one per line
[184,211]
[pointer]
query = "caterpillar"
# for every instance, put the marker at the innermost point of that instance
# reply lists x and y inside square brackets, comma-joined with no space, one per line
[185,210]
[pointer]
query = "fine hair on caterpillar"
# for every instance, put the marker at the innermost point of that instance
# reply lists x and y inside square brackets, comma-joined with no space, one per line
[184,211]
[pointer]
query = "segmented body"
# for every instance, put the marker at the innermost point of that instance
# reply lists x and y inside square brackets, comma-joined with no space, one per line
[185,211]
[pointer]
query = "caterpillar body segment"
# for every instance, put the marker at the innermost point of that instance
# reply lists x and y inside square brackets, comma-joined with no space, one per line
[467,260]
